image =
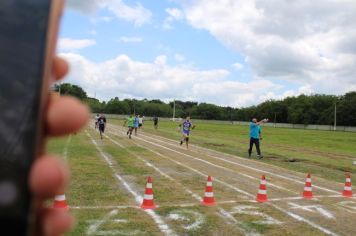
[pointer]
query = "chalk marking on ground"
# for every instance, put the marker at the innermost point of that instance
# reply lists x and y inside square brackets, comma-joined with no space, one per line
[251,210]
[157,219]
[299,218]
[293,215]
[347,205]
[65,150]
[233,220]
[225,168]
[94,227]
[178,215]
[313,209]
[243,165]
[194,195]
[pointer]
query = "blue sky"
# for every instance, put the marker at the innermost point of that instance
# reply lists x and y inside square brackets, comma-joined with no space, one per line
[207,51]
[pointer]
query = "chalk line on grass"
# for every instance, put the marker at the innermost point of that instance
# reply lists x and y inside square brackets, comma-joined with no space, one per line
[293,215]
[195,196]
[253,168]
[157,219]
[65,150]
[94,227]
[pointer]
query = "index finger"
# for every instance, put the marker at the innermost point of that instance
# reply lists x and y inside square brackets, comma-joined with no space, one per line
[60,68]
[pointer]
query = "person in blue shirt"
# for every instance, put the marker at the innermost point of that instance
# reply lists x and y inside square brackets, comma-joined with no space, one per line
[185,126]
[255,135]
[136,123]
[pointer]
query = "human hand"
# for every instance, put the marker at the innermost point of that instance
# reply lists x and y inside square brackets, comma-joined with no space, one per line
[49,176]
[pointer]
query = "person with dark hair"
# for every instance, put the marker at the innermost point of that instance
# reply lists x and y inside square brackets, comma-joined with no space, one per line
[136,124]
[155,122]
[101,125]
[130,124]
[255,135]
[186,126]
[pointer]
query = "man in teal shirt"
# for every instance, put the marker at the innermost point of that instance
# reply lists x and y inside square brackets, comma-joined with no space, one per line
[255,132]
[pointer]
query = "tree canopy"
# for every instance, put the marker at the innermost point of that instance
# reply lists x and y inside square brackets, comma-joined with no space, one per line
[303,109]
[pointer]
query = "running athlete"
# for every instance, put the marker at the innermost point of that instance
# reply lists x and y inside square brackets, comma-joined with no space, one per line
[136,124]
[140,122]
[96,120]
[101,124]
[155,122]
[130,125]
[185,126]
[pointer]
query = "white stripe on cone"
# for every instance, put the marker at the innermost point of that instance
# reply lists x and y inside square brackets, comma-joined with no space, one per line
[260,191]
[149,185]
[347,188]
[148,196]
[308,189]
[263,182]
[209,184]
[308,180]
[209,194]
[348,180]
[60,198]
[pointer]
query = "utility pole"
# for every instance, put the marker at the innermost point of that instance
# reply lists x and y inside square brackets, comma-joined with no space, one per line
[335,118]
[275,119]
[174,109]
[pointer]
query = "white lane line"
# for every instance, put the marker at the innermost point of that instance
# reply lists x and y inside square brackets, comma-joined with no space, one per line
[94,227]
[226,216]
[299,218]
[230,170]
[102,207]
[293,215]
[249,167]
[195,170]
[158,220]
[65,150]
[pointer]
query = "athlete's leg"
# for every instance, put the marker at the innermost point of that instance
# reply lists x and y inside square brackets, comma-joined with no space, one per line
[257,143]
[250,149]
[187,140]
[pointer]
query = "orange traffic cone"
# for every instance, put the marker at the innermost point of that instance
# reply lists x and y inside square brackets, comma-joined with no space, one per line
[308,192]
[347,188]
[262,191]
[60,202]
[209,199]
[148,197]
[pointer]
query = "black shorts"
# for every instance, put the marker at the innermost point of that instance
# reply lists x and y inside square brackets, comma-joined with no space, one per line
[139,125]
[102,127]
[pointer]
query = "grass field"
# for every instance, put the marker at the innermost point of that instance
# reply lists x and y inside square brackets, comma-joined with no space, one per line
[109,177]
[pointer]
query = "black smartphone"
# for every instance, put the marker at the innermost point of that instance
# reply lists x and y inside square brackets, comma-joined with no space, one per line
[28,32]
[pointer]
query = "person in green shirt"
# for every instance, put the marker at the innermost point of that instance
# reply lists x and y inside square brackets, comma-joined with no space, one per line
[130,123]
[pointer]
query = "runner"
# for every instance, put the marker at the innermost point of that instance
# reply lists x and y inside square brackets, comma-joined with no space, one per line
[96,120]
[185,126]
[101,124]
[255,135]
[130,125]
[140,122]
[155,122]
[136,124]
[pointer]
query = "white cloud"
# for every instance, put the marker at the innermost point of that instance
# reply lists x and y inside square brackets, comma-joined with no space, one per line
[69,44]
[174,14]
[127,78]
[237,66]
[178,57]
[98,20]
[136,14]
[311,43]
[125,39]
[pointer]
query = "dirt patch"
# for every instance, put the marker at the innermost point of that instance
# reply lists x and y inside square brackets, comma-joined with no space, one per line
[216,144]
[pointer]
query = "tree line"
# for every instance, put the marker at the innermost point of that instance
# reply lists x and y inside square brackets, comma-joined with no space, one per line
[303,109]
